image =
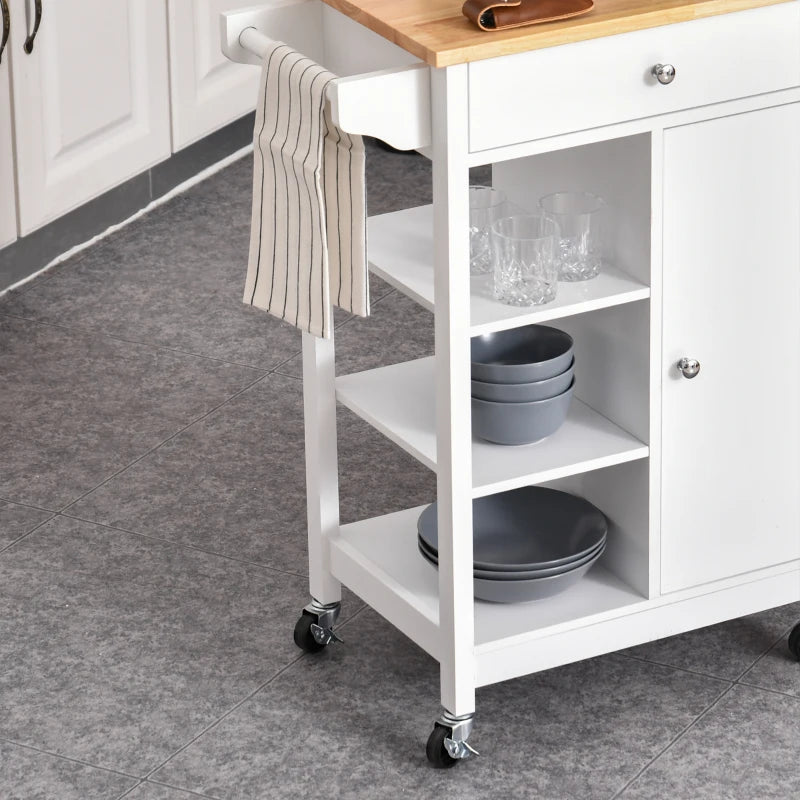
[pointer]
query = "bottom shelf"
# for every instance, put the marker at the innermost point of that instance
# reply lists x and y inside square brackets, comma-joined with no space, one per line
[378,559]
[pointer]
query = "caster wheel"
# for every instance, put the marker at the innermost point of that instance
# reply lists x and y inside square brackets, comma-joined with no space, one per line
[435,749]
[794,642]
[303,637]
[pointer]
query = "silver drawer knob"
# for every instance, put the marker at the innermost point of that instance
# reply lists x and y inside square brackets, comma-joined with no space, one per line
[664,73]
[689,367]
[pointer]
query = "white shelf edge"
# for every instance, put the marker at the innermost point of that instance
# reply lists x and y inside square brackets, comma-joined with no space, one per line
[577,468]
[549,313]
[409,269]
[374,395]
[390,597]
[401,287]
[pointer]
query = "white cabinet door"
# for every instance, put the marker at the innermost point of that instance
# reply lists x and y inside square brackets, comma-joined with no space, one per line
[91,102]
[208,91]
[8,204]
[731,438]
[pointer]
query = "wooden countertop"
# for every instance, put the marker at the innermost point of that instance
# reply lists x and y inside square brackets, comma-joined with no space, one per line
[437,32]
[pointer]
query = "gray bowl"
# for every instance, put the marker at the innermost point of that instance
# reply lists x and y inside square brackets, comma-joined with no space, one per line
[523,529]
[521,355]
[503,575]
[525,591]
[520,423]
[524,392]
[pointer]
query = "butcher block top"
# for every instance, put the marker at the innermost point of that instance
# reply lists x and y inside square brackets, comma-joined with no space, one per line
[437,32]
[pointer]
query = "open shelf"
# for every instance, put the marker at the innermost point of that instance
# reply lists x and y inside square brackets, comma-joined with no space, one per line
[378,559]
[399,401]
[401,252]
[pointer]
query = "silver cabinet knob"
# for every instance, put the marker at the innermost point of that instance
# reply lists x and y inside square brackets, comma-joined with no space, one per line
[689,367]
[664,73]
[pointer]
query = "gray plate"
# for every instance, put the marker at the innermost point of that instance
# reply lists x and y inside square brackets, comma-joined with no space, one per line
[520,423]
[503,575]
[526,529]
[528,590]
[524,392]
[521,355]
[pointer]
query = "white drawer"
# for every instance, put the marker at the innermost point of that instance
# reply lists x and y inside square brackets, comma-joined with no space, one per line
[573,87]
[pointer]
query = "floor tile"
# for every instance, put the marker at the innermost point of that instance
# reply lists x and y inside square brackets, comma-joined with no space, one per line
[155,791]
[577,732]
[744,748]
[234,483]
[16,521]
[122,648]
[79,407]
[777,670]
[725,650]
[397,330]
[26,774]
[174,280]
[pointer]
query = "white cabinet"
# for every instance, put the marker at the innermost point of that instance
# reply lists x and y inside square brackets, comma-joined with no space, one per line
[91,102]
[208,91]
[731,436]
[8,205]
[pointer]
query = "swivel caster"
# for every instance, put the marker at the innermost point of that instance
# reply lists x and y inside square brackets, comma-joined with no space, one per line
[447,744]
[794,641]
[314,630]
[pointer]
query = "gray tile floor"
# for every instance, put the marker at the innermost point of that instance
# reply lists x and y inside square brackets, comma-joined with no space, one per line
[152,563]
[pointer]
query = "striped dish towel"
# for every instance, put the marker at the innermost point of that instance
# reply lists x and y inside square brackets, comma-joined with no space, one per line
[308,234]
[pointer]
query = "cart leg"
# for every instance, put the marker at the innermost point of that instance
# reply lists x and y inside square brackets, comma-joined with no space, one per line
[447,743]
[314,629]
[794,641]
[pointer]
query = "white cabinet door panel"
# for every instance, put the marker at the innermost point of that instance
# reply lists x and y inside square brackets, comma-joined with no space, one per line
[8,205]
[208,91]
[91,101]
[731,437]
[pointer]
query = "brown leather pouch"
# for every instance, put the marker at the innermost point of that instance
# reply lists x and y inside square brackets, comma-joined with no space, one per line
[494,15]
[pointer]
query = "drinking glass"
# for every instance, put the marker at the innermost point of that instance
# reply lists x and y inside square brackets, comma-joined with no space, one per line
[579,217]
[524,255]
[486,205]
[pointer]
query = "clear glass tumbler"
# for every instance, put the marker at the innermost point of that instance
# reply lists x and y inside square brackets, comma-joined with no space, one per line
[580,218]
[486,206]
[524,255]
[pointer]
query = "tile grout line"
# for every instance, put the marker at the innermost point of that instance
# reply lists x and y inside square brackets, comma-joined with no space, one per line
[69,758]
[28,505]
[699,674]
[243,701]
[161,444]
[771,691]
[182,545]
[737,679]
[764,655]
[149,345]
[26,535]
[674,741]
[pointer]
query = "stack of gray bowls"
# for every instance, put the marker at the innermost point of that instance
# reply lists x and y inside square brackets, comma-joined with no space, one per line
[522,382]
[527,544]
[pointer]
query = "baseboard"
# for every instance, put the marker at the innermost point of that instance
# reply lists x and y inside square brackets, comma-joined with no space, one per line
[29,254]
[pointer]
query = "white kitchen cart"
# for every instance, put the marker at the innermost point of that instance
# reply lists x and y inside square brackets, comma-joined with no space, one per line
[700,479]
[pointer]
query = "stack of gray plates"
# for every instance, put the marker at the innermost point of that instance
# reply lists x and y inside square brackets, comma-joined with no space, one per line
[527,544]
[522,381]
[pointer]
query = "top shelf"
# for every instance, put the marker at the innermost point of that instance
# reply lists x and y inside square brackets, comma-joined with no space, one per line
[401,252]
[437,32]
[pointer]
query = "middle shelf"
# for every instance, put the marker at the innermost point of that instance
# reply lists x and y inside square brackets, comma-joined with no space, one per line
[401,252]
[399,401]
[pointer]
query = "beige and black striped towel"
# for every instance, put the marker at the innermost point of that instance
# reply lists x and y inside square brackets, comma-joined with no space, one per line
[308,237]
